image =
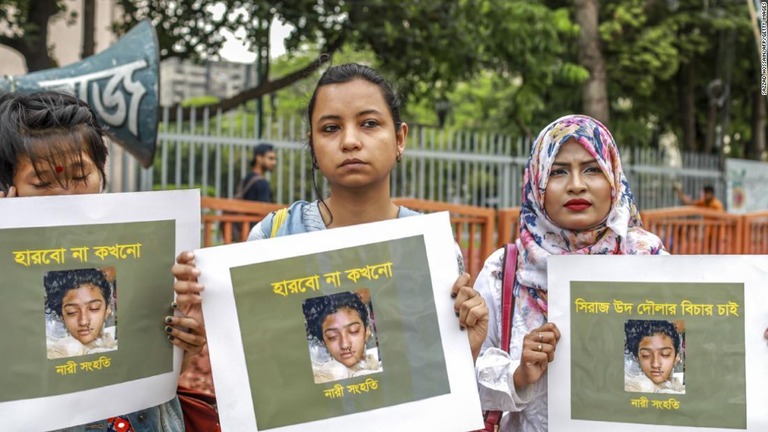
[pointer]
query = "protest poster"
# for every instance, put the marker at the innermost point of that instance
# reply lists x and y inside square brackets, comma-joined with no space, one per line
[406,366]
[77,355]
[663,343]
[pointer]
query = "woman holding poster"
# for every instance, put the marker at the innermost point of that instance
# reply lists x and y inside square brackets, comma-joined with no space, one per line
[576,201]
[52,145]
[356,137]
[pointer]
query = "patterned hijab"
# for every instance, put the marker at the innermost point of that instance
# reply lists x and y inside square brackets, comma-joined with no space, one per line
[620,233]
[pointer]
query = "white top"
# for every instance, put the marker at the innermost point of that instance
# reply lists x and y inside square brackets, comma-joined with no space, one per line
[526,410]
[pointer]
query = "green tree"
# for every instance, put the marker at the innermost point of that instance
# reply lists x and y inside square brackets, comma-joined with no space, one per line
[424,42]
[681,66]
[27,29]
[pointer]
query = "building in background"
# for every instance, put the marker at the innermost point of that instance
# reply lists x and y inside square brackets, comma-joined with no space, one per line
[183,79]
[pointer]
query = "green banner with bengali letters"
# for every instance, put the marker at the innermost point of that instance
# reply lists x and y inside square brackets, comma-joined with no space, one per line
[277,303]
[622,371]
[121,337]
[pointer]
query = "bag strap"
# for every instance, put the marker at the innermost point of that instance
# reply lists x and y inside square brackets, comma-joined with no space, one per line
[240,194]
[278,221]
[493,418]
[507,294]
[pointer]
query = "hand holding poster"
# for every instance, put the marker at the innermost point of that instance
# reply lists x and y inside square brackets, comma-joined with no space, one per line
[353,325]
[673,341]
[86,282]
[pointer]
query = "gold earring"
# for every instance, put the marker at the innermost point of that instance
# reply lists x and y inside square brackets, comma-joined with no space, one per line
[399,157]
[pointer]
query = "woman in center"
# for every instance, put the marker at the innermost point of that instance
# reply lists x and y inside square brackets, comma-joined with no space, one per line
[339,329]
[355,138]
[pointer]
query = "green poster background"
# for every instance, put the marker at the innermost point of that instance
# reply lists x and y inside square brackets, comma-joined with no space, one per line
[275,337]
[715,386]
[144,295]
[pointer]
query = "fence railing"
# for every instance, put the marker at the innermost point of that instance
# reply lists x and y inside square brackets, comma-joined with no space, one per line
[755,229]
[220,216]
[464,167]
[478,230]
[507,220]
[696,231]
[473,227]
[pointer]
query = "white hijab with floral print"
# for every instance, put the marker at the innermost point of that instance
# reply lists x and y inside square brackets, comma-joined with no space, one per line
[620,233]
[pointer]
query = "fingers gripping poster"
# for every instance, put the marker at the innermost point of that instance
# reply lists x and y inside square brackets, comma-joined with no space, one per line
[671,343]
[346,326]
[86,283]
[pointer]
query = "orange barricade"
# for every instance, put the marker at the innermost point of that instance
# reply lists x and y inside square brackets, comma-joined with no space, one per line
[220,214]
[473,228]
[684,230]
[692,230]
[755,228]
[508,221]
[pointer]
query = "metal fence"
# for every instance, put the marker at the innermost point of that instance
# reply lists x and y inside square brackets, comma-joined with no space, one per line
[479,169]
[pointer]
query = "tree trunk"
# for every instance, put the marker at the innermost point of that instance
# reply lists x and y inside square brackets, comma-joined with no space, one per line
[756,146]
[595,94]
[89,27]
[687,106]
[34,47]
[709,140]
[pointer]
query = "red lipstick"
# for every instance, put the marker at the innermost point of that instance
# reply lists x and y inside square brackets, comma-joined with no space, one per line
[578,204]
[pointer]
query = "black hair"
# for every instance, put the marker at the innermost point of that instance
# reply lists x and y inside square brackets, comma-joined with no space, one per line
[58,283]
[44,127]
[316,309]
[345,73]
[260,150]
[636,330]
[709,188]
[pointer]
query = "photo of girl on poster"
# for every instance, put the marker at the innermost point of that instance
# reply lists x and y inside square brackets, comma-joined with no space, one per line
[653,356]
[80,312]
[341,336]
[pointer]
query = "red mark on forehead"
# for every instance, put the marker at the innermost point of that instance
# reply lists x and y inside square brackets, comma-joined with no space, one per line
[59,168]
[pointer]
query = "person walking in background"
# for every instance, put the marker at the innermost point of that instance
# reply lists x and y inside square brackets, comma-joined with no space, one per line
[707,201]
[254,186]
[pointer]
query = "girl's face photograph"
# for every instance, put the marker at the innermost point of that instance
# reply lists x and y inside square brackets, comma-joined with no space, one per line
[68,176]
[345,335]
[578,195]
[83,311]
[657,357]
[353,134]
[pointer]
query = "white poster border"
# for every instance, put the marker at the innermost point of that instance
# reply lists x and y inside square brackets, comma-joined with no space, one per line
[61,411]
[457,411]
[751,270]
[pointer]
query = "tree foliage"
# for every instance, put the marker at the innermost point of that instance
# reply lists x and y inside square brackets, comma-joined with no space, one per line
[665,58]
[505,65]
[27,29]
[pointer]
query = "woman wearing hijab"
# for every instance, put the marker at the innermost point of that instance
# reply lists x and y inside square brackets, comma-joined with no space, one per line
[576,201]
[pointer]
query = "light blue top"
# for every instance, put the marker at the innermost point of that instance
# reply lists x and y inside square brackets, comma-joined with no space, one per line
[302,217]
